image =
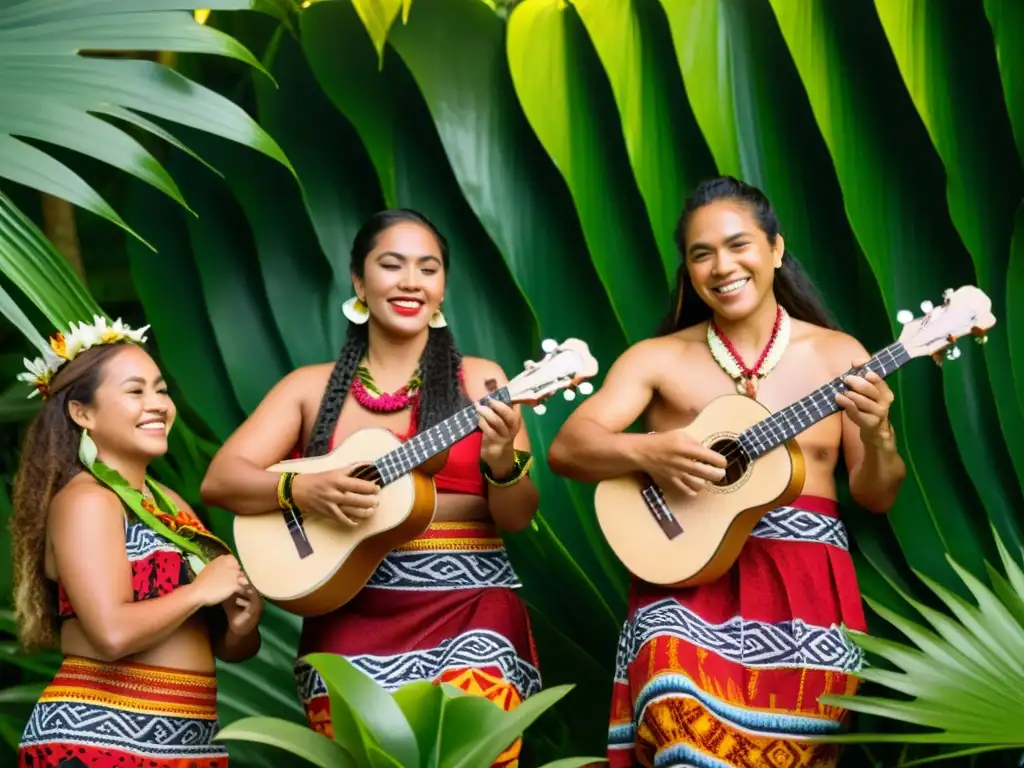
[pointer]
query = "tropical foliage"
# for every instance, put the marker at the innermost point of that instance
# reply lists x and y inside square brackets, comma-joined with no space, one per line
[966,677]
[553,144]
[420,724]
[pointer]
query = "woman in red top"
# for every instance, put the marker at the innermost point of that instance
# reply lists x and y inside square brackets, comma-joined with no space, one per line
[105,564]
[441,608]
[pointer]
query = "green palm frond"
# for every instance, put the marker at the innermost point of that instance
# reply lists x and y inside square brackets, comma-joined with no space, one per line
[964,676]
[53,94]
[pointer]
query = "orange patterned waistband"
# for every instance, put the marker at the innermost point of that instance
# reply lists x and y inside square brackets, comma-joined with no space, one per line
[135,688]
[457,537]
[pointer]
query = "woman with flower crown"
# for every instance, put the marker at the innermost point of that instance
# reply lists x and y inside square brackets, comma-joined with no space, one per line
[441,608]
[117,570]
[730,673]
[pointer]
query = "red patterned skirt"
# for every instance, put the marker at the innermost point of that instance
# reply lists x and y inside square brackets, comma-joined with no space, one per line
[441,608]
[123,715]
[729,673]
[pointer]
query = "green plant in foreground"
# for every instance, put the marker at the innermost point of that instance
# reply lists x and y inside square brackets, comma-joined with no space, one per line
[966,677]
[420,725]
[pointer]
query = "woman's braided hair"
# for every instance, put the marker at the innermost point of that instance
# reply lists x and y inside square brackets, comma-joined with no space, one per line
[441,394]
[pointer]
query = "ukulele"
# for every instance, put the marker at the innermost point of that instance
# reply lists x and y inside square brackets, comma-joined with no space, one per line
[312,565]
[669,539]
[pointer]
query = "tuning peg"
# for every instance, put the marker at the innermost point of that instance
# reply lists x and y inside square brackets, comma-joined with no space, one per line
[904,316]
[529,363]
[927,306]
[569,395]
[540,409]
[586,387]
[549,345]
[947,295]
[953,353]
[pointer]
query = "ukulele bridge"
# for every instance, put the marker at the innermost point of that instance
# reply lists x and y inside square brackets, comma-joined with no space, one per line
[654,499]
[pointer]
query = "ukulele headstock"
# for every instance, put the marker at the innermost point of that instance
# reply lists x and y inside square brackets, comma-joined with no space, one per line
[967,311]
[565,367]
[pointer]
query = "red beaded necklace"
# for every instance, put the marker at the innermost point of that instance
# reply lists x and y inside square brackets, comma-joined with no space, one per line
[747,377]
[367,394]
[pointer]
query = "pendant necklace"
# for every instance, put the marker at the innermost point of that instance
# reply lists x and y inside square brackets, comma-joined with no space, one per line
[747,378]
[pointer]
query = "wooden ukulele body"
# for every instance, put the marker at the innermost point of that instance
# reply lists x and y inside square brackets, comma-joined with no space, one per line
[667,538]
[342,558]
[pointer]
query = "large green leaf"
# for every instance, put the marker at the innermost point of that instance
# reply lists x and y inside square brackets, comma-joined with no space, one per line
[15,407]
[35,268]
[421,703]
[372,116]
[10,309]
[941,53]
[378,16]
[891,184]
[566,98]
[169,288]
[374,707]
[333,168]
[664,146]
[290,261]
[289,737]
[1015,298]
[517,196]
[475,731]
[1007,19]
[250,344]
[49,90]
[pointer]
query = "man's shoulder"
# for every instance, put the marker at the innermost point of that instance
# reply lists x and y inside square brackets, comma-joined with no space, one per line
[659,350]
[839,348]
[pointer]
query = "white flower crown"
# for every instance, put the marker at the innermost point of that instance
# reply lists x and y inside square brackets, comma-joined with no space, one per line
[66,347]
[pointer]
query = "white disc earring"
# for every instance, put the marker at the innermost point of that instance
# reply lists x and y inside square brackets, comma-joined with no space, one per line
[355,310]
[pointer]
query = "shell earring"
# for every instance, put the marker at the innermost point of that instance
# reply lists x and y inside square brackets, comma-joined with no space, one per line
[355,310]
[87,452]
[437,320]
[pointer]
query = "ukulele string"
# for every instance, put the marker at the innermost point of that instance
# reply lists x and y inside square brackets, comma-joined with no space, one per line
[735,452]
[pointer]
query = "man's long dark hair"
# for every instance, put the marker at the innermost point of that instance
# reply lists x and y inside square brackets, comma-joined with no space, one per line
[441,395]
[793,288]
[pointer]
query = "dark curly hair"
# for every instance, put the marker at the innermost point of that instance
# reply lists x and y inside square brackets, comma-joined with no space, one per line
[49,460]
[793,288]
[441,395]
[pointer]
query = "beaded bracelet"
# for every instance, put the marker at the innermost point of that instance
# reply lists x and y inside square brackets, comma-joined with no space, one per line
[521,465]
[284,491]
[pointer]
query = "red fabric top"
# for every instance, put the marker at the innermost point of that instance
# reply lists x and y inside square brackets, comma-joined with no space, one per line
[461,473]
[158,567]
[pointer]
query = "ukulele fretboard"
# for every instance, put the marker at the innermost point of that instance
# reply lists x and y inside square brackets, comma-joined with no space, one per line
[785,424]
[438,438]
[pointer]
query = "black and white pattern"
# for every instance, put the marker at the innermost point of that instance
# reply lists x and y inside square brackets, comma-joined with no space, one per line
[141,541]
[475,649]
[158,736]
[792,524]
[445,570]
[754,644]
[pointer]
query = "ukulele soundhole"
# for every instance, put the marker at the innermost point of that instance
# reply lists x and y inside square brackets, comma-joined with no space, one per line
[738,460]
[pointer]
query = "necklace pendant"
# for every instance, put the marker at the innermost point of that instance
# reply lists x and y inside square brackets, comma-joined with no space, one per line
[748,387]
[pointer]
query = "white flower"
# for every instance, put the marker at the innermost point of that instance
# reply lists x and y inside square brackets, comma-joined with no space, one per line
[79,338]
